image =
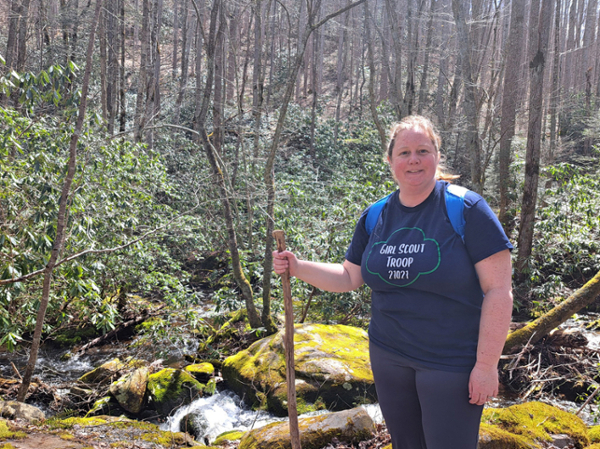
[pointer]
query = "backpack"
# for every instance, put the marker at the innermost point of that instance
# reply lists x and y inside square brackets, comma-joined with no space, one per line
[455,205]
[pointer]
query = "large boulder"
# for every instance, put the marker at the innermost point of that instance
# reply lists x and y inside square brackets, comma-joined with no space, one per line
[130,390]
[331,364]
[350,426]
[20,410]
[171,388]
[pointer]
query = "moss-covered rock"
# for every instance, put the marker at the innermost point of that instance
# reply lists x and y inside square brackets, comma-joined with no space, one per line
[130,390]
[105,406]
[171,388]
[594,434]
[494,437]
[226,437]
[201,371]
[104,374]
[316,432]
[536,422]
[331,364]
[6,432]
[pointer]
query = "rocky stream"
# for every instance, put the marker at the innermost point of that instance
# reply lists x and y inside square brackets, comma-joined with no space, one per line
[110,396]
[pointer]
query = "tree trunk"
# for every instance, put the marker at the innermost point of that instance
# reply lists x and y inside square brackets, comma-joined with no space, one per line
[269,174]
[423,85]
[342,57]
[142,85]
[539,328]
[469,102]
[513,57]
[555,90]
[185,57]
[372,98]
[61,220]
[174,56]
[122,89]
[217,170]
[22,39]
[532,157]
[397,99]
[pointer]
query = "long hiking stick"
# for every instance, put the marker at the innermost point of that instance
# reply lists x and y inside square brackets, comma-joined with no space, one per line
[288,341]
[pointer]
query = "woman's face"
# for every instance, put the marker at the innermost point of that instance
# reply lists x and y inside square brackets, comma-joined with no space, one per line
[414,160]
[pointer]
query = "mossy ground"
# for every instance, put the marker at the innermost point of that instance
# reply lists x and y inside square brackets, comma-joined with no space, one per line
[594,434]
[6,432]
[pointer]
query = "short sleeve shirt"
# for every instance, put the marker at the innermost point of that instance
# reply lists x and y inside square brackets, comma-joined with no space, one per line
[426,296]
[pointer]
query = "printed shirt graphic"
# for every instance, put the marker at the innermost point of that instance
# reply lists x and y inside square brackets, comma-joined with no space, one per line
[426,297]
[408,254]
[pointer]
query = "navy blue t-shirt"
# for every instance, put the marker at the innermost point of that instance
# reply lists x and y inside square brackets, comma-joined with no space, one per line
[426,296]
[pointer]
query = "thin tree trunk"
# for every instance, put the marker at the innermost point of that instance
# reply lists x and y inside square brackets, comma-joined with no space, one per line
[372,99]
[122,87]
[185,49]
[423,85]
[212,156]
[269,173]
[61,220]
[470,103]
[555,92]
[142,85]
[513,57]
[397,99]
[532,157]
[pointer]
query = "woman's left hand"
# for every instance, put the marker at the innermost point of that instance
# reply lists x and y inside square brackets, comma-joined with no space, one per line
[483,383]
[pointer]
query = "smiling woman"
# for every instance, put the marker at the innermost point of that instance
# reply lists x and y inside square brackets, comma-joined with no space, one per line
[441,305]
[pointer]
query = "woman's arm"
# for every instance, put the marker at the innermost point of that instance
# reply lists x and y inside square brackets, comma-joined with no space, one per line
[332,277]
[495,278]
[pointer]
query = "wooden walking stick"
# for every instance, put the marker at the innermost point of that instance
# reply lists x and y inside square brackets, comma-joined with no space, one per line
[288,341]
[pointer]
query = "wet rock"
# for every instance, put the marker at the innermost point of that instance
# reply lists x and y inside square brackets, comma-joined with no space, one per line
[350,426]
[20,410]
[171,388]
[130,390]
[331,364]
[195,424]
[201,371]
[104,374]
[105,406]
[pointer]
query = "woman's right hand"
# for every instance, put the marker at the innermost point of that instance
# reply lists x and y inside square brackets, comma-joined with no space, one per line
[284,260]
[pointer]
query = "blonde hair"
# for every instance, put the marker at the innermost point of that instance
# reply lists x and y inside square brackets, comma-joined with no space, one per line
[425,125]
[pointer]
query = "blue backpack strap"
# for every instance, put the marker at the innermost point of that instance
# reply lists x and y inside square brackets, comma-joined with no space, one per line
[455,205]
[374,213]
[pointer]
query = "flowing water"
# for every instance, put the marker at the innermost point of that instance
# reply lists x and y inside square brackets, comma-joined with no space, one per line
[224,411]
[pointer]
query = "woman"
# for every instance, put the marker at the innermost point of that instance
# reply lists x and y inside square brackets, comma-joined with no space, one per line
[441,306]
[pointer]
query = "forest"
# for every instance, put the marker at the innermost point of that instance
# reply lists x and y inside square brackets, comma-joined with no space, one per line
[149,149]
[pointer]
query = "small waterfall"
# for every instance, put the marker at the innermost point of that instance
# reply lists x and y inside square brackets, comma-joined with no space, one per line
[225,411]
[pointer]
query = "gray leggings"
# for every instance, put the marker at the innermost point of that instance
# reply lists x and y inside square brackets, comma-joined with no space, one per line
[424,408]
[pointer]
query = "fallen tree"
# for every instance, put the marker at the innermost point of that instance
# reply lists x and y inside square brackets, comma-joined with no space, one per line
[537,329]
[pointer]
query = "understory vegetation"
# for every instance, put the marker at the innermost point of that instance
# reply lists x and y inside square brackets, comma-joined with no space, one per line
[148,225]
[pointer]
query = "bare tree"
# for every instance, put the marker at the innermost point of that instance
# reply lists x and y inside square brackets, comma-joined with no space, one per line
[61,219]
[532,159]
[469,103]
[513,58]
